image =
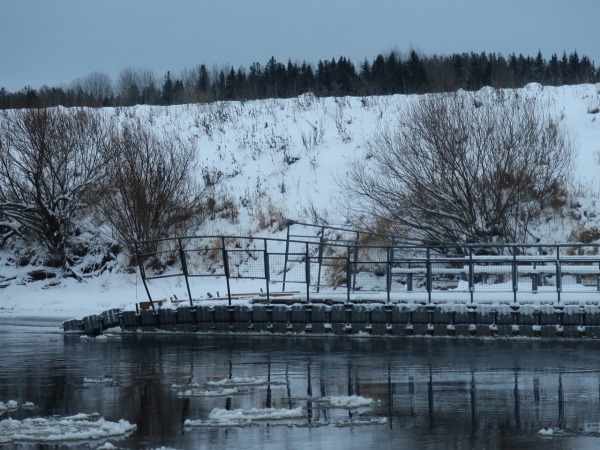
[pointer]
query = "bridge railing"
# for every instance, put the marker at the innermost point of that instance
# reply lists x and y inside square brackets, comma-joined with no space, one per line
[321,264]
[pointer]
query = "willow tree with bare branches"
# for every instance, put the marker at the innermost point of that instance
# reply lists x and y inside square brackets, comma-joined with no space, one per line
[151,184]
[52,163]
[465,168]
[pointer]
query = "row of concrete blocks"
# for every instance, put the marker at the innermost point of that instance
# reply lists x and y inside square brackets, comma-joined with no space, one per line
[397,319]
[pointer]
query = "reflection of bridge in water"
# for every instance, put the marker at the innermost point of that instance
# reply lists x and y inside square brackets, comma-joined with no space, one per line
[426,392]
[446,393]
[324,279]
[417,386]
[506,399]
[425,397]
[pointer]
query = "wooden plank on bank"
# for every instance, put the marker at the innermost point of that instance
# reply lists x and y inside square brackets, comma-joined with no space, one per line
[241,296]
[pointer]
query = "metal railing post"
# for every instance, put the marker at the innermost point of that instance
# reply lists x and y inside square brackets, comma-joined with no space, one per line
[267,274]
[471,275]
[429,282]
[390,252]
[184,269]
[307,268]
[143,272]
[558,274]
[348,270]
[355,260]
[226,268]
[285,257]
[321,240]
[515,276]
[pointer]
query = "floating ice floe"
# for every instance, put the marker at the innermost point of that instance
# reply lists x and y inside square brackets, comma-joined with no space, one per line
[208,393]
[243,381]
[551,432]
[107,446]
[362,422]
[275,417]
[80,427]
[100,337]
[238,417]
[186,386]
[347,402]
[10,405]
[105,380]
[13,405]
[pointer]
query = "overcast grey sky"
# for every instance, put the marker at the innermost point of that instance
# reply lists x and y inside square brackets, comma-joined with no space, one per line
[55,42]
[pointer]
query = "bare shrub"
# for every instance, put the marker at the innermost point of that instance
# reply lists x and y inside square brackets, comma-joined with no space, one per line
[585,235]
[271,216]
[463,169]
[52,162]
[153,191]
[336,273]
[223,206]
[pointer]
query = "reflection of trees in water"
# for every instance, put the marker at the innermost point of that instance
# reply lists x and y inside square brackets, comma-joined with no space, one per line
[423,387]
[422,396]
[147,397]
[431,395]
[463,394]
[509,400]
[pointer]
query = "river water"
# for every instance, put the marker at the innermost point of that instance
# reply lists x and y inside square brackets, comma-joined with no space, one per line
[292,392]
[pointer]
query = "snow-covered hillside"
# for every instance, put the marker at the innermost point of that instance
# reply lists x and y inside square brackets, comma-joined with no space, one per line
[286,154]
[280,160]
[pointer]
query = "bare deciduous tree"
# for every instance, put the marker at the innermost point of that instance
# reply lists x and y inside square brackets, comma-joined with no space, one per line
[96,86]
[152,190]
[51,163]
[137,86]
[459,168]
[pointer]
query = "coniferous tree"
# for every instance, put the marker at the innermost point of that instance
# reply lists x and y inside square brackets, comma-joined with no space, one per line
[203,81]
[564,69]
[553,76]
[167,89]
[416,77]
[256,81]
[393,75]
[387,74]
[378,75]
[307,78]
[230,85]
[539,68]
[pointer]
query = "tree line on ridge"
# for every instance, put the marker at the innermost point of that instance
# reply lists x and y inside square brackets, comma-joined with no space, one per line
[390,73]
